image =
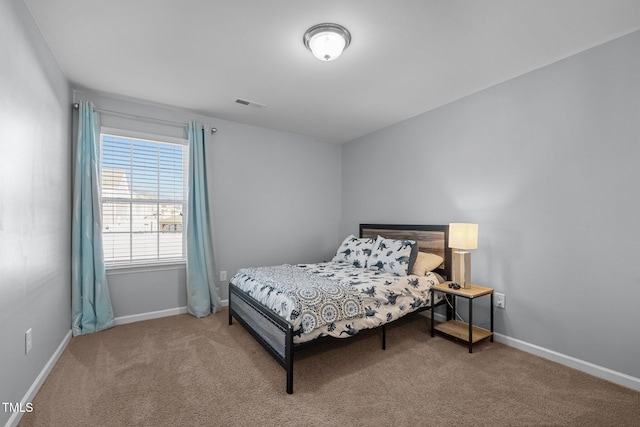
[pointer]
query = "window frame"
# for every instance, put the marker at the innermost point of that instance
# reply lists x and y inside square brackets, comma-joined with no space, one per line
[147,264]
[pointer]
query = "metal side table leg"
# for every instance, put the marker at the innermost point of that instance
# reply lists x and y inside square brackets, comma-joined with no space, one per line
[470,325]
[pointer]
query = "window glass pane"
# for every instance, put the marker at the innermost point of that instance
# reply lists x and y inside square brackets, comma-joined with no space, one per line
[170,218]
[171,175]
[144,246]
[115,183]
[171,239]
[145,169]
[116,226]
[143,198]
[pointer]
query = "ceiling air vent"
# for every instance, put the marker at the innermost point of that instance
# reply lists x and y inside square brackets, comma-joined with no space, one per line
[250,103]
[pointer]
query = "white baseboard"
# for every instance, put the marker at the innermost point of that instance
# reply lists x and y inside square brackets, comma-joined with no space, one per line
[122,320]
[581,365]
[155,314]
[31,393]
[439,317]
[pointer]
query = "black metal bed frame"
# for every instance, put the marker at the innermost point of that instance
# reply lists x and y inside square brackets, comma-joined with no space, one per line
[276,334]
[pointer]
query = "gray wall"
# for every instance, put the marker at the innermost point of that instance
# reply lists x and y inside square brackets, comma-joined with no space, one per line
[276,198]
[35,202]
[546,164]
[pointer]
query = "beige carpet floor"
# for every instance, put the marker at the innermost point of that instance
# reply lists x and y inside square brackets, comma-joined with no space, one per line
[183,371]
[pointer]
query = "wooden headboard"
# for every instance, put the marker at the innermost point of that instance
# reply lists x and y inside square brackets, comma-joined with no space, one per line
[431,238]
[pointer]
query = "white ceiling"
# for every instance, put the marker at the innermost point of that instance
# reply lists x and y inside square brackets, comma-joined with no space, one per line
[406,56]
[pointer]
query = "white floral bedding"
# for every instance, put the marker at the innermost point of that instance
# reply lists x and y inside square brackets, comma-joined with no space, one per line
[380,297]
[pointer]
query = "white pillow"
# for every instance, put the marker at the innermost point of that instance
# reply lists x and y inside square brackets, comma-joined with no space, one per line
[355,251]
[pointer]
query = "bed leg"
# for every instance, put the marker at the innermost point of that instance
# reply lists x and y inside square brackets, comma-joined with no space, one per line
[230,318]
[290,379]
[384,337]
[289,359]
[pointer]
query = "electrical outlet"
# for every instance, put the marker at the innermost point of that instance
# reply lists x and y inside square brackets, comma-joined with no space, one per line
[27,341]
[500,300]
[223,276]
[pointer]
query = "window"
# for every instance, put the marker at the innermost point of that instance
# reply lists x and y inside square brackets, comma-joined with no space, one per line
[144,198]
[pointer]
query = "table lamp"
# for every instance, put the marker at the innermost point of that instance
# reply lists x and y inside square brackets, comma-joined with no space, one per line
[462,237]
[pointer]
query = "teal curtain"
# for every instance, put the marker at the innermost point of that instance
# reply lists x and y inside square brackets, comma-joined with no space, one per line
[202,293]
[91,309]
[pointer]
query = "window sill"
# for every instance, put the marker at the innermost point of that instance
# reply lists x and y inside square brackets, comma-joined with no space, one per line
[141,268]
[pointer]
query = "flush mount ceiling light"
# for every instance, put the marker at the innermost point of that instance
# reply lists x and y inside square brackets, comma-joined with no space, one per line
[327,41]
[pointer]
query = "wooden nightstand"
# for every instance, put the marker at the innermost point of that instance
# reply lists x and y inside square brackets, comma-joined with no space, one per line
[454,328]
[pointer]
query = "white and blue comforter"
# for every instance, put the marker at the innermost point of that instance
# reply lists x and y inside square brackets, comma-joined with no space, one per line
[334,298]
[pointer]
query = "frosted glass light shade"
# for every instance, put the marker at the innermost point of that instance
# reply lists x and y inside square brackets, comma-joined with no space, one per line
[327,41]
[463,236]
[326,46]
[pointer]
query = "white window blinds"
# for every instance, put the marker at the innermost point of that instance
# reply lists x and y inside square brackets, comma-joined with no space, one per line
[143,200]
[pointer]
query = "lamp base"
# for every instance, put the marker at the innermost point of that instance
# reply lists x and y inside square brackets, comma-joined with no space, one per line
[461,271]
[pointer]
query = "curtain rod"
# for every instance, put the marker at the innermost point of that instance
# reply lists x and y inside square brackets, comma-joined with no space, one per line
[149,119]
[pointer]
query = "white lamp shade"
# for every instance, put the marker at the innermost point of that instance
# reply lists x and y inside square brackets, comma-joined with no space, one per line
[327,45]
[463,236]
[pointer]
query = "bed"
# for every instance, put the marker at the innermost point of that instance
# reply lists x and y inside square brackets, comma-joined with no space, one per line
[368,284]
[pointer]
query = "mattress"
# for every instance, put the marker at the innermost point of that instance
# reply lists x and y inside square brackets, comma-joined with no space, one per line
[335,298]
